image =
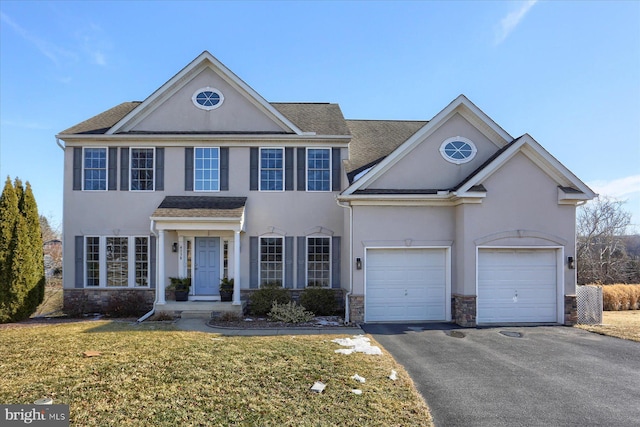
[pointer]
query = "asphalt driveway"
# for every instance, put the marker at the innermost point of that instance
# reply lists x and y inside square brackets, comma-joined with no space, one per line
[547,376]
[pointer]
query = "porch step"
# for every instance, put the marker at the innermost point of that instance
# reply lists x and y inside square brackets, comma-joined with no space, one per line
[198,309]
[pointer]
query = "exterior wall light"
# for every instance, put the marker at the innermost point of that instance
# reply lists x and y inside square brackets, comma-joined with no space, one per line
[358,263]
[571,263]
[174,247]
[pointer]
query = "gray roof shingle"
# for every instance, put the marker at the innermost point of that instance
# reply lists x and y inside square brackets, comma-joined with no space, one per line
[102,122]
[200,207]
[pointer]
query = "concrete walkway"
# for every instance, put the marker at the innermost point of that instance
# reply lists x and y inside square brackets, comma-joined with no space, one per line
[200,325]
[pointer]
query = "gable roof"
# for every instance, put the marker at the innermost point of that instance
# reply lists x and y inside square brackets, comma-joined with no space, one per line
[318,118]
[102,122]
[204,60]
[461,105]
[373,140]
[570,186]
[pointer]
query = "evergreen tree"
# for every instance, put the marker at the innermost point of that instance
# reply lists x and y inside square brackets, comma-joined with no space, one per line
[36,273]
[21,259]
[9,214]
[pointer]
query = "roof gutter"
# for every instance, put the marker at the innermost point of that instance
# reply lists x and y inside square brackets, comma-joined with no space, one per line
[59,144]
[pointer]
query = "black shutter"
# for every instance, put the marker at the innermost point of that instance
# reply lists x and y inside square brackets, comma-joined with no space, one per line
[113,168]
[79,270]
[124,169]
[288,169]
[302,262]
[288,262]
[335,262]
[253,262]
[188,169]
[224,168]
[152,262]
[302,185]
[77,168]
[159,169]
[253,168]
[336,163]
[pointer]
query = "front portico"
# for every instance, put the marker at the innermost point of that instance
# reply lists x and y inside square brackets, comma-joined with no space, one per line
[206,233]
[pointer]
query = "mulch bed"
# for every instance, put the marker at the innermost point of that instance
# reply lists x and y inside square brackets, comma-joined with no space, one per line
[264,323]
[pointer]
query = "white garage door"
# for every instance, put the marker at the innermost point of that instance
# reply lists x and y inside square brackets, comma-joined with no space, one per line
[405,285]
[517,285]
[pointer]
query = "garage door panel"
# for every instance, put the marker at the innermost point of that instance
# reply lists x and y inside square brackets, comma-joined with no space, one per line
[517,285]
[405,284]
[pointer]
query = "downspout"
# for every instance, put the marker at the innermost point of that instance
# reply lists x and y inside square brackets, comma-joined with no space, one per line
[153,309]
[346,300]
[59,145]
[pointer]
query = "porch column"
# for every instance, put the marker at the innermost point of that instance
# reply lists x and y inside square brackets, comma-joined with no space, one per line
[236,269]
[160,280]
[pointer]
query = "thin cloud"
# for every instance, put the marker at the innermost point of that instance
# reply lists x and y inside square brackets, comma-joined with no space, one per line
[620,188]
[55,53]
[511,21]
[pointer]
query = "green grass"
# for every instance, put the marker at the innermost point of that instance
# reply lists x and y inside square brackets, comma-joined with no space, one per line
[619,324]
[152,374]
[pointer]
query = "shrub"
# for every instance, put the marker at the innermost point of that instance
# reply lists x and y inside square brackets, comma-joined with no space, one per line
[621,297]
[129,304]
[263,298]
[290,313]
[229,316]
[321,301]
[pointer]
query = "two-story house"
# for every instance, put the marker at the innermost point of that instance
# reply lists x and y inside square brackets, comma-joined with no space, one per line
[447,219]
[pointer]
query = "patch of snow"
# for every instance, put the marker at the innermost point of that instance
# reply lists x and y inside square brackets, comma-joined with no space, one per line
[394,375]
[358,378]
[359,343]
[248,319]
[356,391]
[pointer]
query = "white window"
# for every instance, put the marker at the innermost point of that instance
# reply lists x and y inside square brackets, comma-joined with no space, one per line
[318,169]
[116,261]
[94,169]
[271,260]
[458,150]
[206,169]
[319,261]
[271,169]
[142,165]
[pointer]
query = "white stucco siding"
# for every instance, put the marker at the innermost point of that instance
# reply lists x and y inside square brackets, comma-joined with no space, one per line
[424,167]
[521,209]
[398,227]
[236,113]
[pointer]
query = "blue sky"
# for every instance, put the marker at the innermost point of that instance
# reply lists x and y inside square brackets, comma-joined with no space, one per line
[567,73]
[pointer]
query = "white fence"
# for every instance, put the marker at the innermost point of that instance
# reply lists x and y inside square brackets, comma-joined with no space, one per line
[589,300]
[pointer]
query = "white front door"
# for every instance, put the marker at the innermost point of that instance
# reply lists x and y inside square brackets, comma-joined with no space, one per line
[207,267]
[517,285]
[406,285]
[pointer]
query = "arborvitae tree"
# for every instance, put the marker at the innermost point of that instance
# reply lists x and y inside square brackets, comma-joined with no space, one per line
[9,214]
[36,273]
[21,259]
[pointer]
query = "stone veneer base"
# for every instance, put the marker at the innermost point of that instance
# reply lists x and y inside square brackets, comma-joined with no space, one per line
[82,301]
[570,310]
[463,310]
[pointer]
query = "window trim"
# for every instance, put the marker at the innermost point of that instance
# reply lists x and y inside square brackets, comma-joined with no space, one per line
[330,244]
[282,262]
[106,167]
[195,169]
[102,262]
[474,150]
[207,89]
[284,184]
[153,168]
[306,169]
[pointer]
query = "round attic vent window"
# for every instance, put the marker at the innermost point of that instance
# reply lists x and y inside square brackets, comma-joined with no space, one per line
[458,150]
[207,98]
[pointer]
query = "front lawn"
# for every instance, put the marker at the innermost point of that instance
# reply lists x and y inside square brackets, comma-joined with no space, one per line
[152,374]
[620,324]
